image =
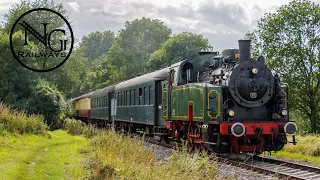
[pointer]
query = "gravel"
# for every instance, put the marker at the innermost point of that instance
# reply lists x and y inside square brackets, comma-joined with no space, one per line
[160,151]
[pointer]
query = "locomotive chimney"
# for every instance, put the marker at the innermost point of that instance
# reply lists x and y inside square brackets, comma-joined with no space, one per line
[244,48]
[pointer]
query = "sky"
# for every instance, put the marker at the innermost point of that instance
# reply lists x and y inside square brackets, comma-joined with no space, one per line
[222,22]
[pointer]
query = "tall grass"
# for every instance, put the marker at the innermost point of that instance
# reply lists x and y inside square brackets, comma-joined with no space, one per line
[307,149]
[306,145]
[113,156]
[77,127]
[13,121]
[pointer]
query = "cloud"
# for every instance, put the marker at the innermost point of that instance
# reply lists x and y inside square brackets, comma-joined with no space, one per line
[222,23]
[74,6]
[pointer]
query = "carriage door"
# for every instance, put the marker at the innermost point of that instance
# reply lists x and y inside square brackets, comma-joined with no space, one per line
[165,101]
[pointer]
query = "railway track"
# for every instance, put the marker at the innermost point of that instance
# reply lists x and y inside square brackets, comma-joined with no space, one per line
[275,167]
[264,165]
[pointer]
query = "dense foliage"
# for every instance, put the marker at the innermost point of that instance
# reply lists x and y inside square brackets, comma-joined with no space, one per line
[290,40]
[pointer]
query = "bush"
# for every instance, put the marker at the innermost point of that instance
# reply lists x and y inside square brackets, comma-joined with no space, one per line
[47,100]
[77,127]
[113,156]
[17,121]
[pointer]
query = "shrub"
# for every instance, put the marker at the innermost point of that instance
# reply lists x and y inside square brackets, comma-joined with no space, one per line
[47,100]
[17,121]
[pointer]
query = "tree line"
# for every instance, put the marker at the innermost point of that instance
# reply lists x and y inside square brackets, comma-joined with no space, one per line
[288,38]
[101,59]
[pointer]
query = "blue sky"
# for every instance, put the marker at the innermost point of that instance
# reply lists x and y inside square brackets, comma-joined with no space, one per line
[222,22]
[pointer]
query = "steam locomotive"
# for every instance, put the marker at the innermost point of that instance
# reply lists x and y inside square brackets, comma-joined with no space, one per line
[224,103]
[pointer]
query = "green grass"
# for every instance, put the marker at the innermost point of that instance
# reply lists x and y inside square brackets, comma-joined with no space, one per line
[55,156]
[306,150]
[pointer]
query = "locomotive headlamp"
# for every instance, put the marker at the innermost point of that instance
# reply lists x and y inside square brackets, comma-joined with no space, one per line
[230,112]
[290,128]
[254,70]
[237,56]
[284,112]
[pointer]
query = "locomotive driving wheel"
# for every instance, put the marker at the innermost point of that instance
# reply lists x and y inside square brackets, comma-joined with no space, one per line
[195,140]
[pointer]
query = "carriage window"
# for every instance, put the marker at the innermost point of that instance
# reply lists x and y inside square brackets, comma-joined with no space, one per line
[173,78]
[145,95]
[117,96]
[188,73]
[101,101]
[130,97]
[150,95]
[97,100]
[134,97]
[121,99]
[92,103]
[140,95]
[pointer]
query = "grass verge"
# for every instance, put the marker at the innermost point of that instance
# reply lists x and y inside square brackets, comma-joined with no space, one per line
[12,121]
[55,156]
[112,156]
[307,149]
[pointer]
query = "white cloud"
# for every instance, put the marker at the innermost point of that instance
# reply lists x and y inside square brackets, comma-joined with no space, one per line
[74,6]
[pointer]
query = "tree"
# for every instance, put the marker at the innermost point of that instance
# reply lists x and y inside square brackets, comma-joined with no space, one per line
[97,43]
[133,46]
[25,89]
[176,48]
[290,40]
[70,78]
[35,20]
[18,9]
[16,81]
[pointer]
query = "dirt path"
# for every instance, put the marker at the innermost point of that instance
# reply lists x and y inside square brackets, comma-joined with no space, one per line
[39,157]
